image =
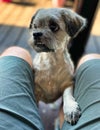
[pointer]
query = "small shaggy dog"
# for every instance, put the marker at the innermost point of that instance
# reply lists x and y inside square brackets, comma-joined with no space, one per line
[50,31]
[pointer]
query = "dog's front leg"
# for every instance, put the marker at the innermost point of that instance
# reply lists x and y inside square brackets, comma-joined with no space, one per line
[70,106]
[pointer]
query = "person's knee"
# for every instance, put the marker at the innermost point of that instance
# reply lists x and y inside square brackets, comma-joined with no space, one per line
[88,57]
[18,52]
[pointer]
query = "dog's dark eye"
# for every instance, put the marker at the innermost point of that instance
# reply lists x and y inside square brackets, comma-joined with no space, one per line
[54,27]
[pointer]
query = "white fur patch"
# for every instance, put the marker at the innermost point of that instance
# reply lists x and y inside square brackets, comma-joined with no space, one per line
[41,61]
[70,106]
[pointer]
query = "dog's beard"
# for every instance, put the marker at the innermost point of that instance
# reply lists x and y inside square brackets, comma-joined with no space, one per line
[44,45]
[41,47]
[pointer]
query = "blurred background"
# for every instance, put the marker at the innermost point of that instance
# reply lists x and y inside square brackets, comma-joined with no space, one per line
[15,16]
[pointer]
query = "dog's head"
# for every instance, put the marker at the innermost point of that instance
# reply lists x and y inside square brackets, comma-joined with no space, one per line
[51,29]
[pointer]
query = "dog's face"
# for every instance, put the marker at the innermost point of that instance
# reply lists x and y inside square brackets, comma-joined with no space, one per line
[51,29]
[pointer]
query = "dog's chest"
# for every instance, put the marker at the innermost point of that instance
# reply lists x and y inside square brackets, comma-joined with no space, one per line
[41,62]
[51,74]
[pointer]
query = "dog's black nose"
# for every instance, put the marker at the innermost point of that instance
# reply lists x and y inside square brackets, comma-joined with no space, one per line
[37,35]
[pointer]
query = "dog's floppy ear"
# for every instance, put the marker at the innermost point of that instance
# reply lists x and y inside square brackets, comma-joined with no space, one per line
[74,22]
[32,19]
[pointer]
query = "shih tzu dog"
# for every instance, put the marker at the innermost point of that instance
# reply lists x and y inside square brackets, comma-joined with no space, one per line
[50,32]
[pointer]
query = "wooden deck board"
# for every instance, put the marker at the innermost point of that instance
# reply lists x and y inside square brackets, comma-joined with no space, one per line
[91,47]
[3,33]
[7,14]
[97,41]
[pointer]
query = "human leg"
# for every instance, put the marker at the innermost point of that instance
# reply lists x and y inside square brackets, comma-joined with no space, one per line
[18,109]
[87,93]
[18,52]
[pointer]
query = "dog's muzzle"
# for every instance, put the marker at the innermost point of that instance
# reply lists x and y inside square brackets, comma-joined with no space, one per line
[39,44]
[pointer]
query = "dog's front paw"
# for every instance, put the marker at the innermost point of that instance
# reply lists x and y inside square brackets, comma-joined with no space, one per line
[72,112]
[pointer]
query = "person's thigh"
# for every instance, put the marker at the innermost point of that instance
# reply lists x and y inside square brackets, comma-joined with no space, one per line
[18,109]
[87,94]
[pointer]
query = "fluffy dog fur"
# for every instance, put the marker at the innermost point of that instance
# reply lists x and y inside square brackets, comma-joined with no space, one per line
[50,33]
